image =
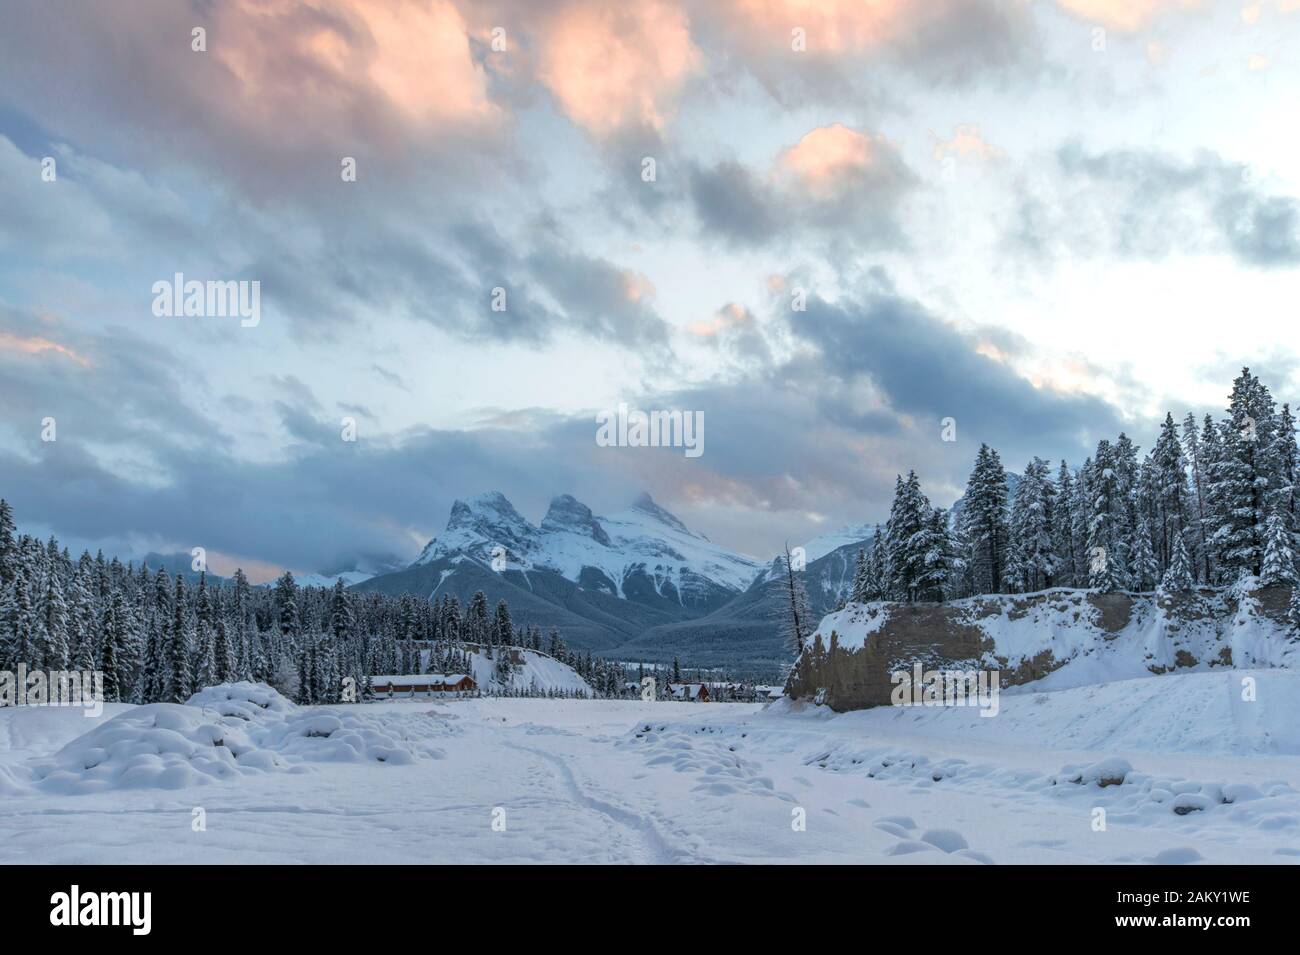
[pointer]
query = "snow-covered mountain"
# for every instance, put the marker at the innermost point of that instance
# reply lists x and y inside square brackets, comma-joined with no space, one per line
[602,580]
[629,555]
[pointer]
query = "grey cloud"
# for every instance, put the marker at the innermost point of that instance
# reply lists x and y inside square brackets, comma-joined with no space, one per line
[1151,204]
[790,449]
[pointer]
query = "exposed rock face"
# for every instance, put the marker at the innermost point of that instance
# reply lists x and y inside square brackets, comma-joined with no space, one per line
[567,513]
[856,651]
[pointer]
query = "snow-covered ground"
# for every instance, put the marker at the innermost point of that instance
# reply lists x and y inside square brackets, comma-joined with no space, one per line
[1205,776]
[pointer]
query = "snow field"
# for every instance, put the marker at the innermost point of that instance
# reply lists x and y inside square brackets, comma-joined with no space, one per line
[624,781]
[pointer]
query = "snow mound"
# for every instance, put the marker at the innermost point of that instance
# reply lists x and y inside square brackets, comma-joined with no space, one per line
[244,700]
[223,733]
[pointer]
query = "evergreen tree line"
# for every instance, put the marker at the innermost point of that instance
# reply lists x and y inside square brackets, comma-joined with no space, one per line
[1210,503]
[159,638]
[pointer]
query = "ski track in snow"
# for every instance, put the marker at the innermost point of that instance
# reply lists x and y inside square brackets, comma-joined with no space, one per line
[630,782]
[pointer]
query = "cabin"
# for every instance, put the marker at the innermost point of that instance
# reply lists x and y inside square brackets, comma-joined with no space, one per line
[689,692]
[423,684]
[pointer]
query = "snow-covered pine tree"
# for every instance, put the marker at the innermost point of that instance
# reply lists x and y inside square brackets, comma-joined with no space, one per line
[223,653]
[1240,478]
[877,567]
[119,649]
[858,590]
[943,563]
[1178,578]
[1081,523]
[52,649]
[1106,550]
[1032,561]
[1284,471]
[1293,612]
[1171,491]
[342,619]
[180,677]
[1279,559]
[984,521]
[905,538]
[8,545]
[1144,568]
[1195,458]
[1063,543]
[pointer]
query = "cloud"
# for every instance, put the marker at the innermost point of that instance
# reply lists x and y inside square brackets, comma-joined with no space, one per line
[1142,203]
[611,65]
[822,432]
[967,143]
[833,178]
[1127,16]
[848,45]
[282,92]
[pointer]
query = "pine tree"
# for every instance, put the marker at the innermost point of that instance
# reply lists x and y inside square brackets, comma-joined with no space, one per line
[180,675]
[1240,480]
[1106,548]
[1178,578]
[53,634]
[1031,563]
[1144,567]
[1064,545]
[1279,559]
[8,545]
[1195,457]
[342,620]
[906,540]
[118,649]
[224,654]
[795,617]
[984,521]
[943,564]
[858,591]
[1171,492]
[1293,612]
[877,568]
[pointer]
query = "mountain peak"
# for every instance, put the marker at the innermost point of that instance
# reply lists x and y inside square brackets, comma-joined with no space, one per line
[645,504]
[491,506]
[567,513]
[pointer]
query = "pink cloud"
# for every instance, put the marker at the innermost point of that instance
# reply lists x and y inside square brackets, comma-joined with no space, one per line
[1126,16]
[829,160]
[612,65]
[37,345]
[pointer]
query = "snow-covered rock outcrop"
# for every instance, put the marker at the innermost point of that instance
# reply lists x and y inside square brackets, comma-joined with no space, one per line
[1059,638]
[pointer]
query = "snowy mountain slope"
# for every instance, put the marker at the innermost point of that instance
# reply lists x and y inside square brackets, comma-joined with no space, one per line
[538,671]
[744,630]
[349,578]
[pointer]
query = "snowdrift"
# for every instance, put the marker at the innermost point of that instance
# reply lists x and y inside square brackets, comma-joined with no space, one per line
[222,733]
[1060,638]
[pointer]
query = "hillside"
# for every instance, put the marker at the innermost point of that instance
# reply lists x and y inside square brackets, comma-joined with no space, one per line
[1057,638]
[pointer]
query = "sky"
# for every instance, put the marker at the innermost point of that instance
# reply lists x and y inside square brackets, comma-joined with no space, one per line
[822,226]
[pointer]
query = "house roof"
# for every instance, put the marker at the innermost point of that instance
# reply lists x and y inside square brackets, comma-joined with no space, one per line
[413,679]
